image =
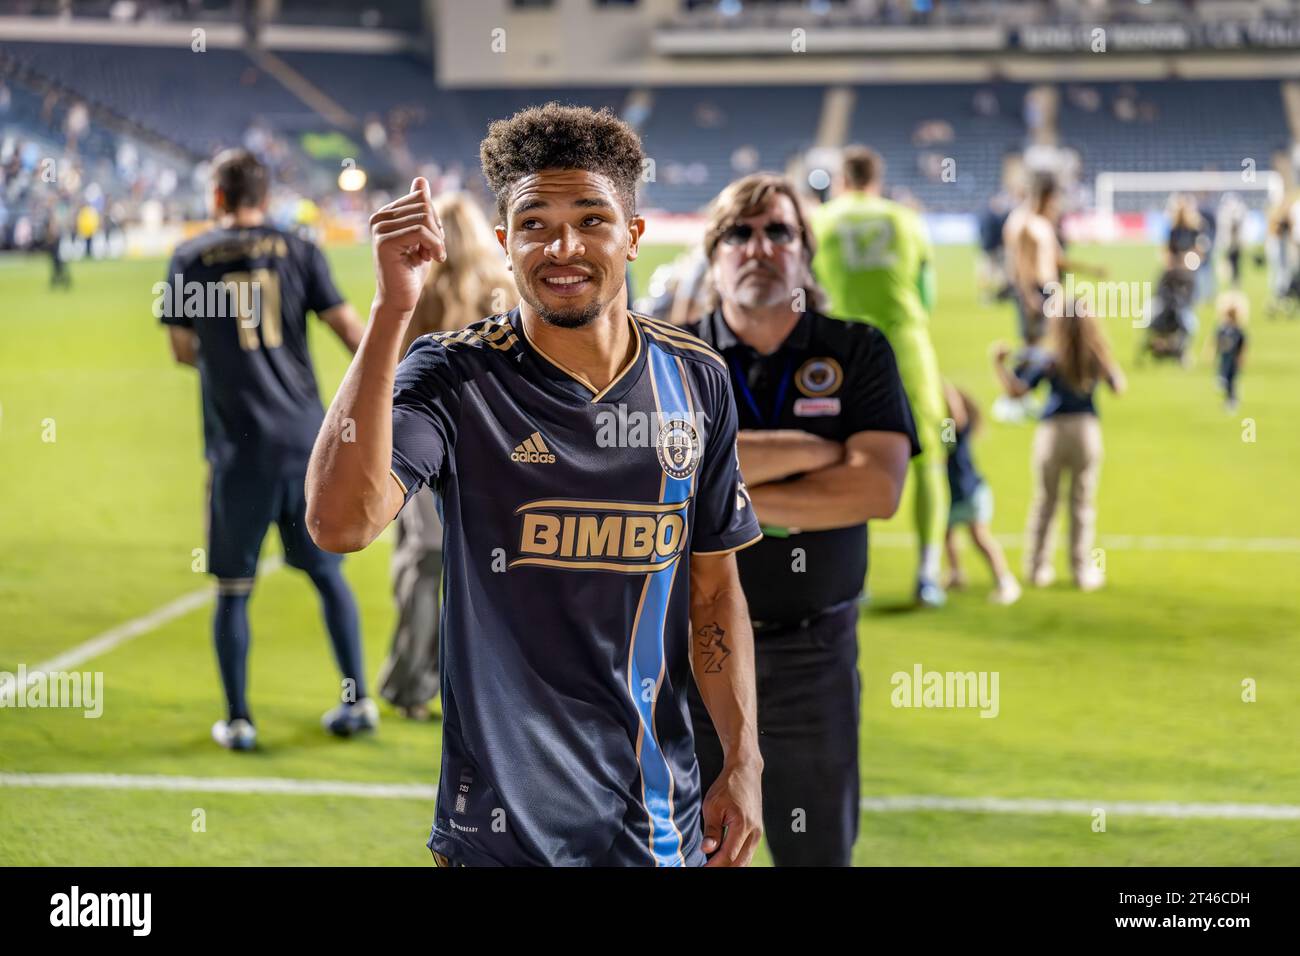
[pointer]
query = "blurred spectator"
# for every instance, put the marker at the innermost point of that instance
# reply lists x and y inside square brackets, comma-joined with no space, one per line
[709,116]
[744,160]
[932,133]
[985,103]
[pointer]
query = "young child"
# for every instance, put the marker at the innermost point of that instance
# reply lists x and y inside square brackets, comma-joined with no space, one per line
[972,502]
[1230,343]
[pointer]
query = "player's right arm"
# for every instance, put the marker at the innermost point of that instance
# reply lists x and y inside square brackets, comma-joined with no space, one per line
[185,345]
[346,324]
[351,492]
[181,337]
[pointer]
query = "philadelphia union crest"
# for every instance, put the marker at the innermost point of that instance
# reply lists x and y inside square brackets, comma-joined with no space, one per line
[818,377]
[678,446]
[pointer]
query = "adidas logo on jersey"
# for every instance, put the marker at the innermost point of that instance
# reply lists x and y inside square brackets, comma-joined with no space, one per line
[533,450]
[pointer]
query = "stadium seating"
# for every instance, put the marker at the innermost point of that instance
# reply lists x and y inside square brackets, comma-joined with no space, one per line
[888,118]
[201,101]
[1190,125]
[699,137]
[693,133]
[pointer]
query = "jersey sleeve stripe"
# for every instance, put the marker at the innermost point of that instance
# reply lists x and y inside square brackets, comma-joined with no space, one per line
[740,547]
[696,346]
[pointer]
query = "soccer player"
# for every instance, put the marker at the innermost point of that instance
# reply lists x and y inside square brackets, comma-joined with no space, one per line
[1040,262]
[236,308]
[1038,256]
[585,464]
[826,434]
[874,262]
[1012,229]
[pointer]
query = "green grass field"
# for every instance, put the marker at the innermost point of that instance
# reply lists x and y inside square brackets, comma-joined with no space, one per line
[1133,693]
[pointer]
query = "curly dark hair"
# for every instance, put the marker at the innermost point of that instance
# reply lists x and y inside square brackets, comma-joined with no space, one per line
[556,136]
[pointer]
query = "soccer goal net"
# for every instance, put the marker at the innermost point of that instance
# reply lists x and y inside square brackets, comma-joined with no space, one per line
[1256,188]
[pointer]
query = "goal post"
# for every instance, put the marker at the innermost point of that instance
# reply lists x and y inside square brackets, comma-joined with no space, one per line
[1245,181]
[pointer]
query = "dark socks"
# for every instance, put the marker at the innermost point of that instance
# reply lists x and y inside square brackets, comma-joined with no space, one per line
[342,622]
[230,634]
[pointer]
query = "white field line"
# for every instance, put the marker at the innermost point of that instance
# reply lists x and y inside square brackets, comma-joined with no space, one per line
[1126,808]
[282,786]
[1133,542]
[260,785]
[110,639]
[103,643]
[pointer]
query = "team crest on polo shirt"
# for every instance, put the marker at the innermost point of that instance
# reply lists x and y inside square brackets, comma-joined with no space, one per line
[819,377]
[678,446]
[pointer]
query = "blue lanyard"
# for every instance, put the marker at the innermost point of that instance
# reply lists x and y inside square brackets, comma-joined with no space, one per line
[738,373]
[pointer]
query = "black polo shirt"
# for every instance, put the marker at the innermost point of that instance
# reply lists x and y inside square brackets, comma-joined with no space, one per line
[834,379]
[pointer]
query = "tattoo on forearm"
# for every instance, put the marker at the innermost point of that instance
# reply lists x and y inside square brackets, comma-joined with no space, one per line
[712,647]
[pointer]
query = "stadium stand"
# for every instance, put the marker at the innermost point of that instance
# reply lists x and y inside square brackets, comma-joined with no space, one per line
[700,137]
[913,126]
[694,135]
[159,88]
[1174,125]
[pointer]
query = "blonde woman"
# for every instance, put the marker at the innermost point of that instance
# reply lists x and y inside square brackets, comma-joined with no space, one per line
[1068,439]
[1188,249]
[473,283]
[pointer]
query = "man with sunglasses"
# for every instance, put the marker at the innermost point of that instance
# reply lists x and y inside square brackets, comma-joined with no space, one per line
[825,438]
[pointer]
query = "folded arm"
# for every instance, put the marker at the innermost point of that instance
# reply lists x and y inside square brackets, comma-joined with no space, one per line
[771,455]
[867,484]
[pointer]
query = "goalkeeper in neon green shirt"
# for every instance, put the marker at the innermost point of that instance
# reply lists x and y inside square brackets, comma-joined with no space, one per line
[874,262]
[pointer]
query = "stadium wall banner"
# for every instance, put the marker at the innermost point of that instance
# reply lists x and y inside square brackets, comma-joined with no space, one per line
[951,229]
[1151,226]
[154,241]
[1157,37]
[1095,227]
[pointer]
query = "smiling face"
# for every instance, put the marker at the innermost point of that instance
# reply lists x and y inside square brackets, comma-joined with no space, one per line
[569,242]
[765,268]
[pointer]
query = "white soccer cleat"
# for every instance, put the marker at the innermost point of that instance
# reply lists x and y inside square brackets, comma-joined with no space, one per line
[1091,580]
[348,719]
[1007,592]
[1044,577]
[238,734]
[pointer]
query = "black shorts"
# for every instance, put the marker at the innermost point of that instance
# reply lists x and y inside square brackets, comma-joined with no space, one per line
[242,504]
[1032,322]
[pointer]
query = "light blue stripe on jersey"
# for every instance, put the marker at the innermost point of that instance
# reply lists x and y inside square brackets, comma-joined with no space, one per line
[648,642]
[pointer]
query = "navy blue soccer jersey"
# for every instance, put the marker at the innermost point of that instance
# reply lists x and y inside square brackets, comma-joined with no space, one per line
[246,293]
[570,519]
